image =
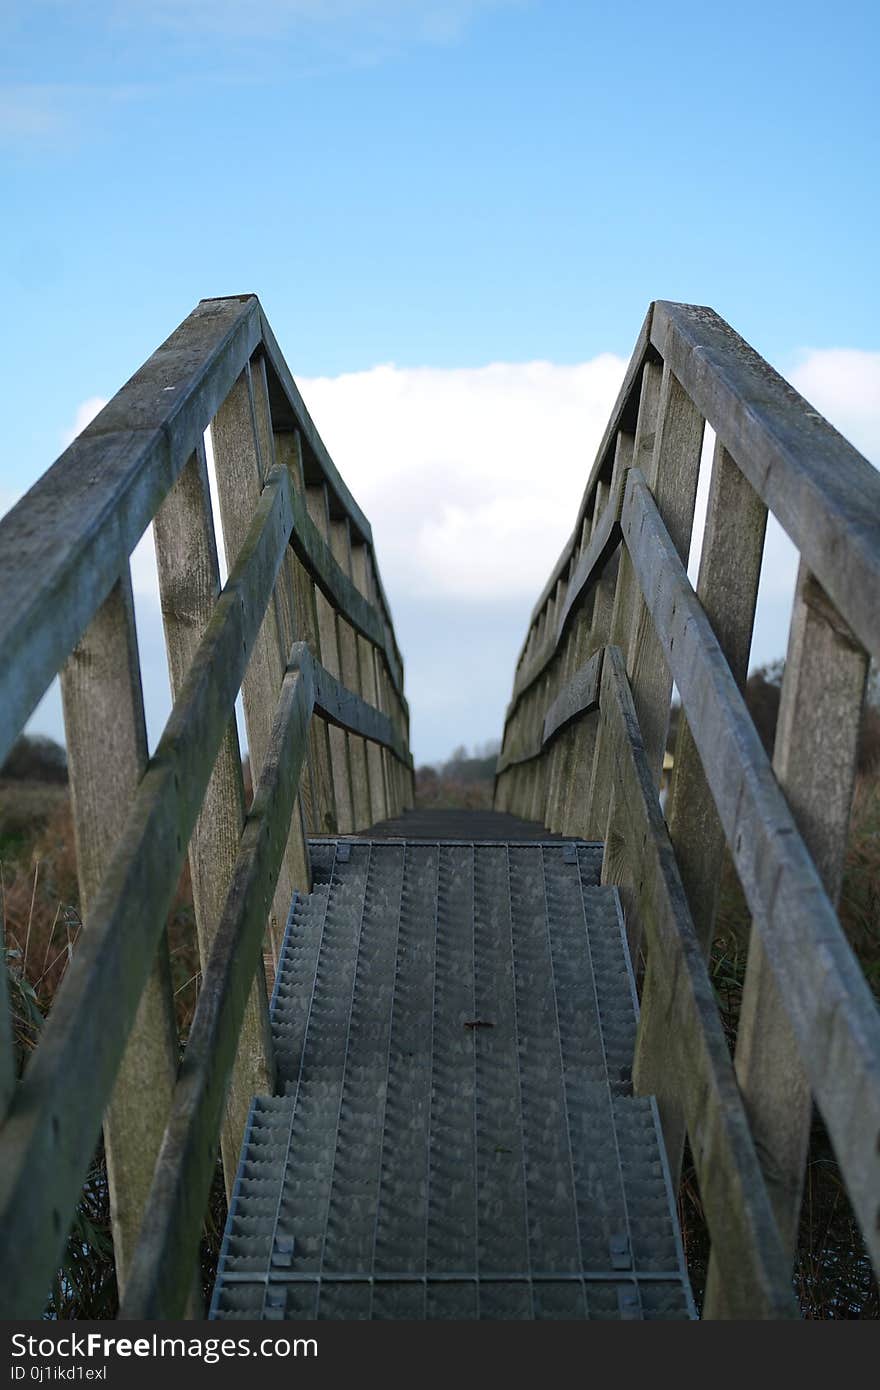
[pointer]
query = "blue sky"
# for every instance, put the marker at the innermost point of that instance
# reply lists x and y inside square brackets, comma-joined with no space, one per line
[440,186]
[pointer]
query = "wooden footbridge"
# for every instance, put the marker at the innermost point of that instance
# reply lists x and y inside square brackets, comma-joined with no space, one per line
[438,1087]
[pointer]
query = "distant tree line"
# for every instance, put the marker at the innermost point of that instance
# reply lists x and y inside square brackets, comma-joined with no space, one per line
[762,695]
[35,758]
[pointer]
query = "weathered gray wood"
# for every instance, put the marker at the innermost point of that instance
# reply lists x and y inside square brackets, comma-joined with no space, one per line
[626,595]
[825,996]
[626,589]
[580,817]
[814,761]
[48,1139]
[316,498]
[383,699]
[189,585]
[239,469]
[673,476]
[312,547]
[290,414]
[340,545]
[823,492]
[623,417]
[561,752]
[727,587]
[107,754]
[682,1053]
[64,545]
[603,541]
[297,862]
[170,1240]
[343,707]
[578,697]
[322,803]
[300,419]
[367,670]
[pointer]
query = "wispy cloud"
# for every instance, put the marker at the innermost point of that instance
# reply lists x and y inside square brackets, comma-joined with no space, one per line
[435,21]
[50,113]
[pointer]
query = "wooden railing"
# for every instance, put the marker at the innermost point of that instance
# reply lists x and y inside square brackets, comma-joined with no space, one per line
[618,623]
[302,628]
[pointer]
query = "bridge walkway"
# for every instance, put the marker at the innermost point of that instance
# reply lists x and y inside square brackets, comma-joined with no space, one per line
[453,1133]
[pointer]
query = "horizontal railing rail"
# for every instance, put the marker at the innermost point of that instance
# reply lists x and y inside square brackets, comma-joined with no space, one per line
[585,756]
[302,628]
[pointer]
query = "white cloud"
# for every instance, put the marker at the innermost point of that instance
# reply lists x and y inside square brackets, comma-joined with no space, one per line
[472,477]
[844,384]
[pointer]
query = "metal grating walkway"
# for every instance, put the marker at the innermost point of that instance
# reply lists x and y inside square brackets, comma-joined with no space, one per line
[454,1134]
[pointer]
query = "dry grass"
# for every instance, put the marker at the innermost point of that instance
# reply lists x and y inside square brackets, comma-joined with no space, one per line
[40,912]
[41,920]
[833,1274]
[449,794]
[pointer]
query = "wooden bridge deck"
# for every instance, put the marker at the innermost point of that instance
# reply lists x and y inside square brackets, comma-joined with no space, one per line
[454,1133]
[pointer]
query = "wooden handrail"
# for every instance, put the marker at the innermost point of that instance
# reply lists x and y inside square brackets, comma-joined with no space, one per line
[809,1025]
[64,556]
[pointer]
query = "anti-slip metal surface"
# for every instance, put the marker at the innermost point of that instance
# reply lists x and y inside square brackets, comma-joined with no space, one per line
[454,1134]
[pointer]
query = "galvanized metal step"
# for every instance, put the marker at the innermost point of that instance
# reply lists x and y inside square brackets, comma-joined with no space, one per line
[455,1134]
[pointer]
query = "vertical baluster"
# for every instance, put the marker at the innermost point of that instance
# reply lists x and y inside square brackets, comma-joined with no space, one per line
[613,593]
[730,568]
[672,477]
[576,743]
[382,686]
[626,592]
[340,544]
[531,714]
[556,769]
[814,760]
[107,754]
[189,583]
[240,471]
[322,803]
[316,499]
[367,667]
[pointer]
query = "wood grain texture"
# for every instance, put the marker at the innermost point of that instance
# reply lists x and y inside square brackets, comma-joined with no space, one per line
[727,588]
[822,491]
[814,760]
[158,1286]
[189,586]
[316,501]
[107,755]
[825,996]
[681,1051]
[239,469]
[322,802]
[369,688]
[48,1139]
[64,545]
[340,545]
[674,471]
